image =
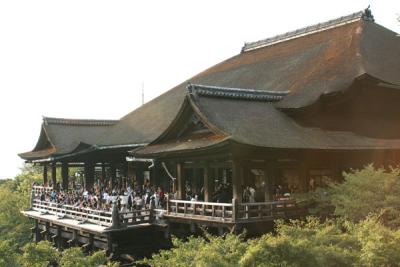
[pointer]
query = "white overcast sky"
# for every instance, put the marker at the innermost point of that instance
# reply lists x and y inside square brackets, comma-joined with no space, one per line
[88,59]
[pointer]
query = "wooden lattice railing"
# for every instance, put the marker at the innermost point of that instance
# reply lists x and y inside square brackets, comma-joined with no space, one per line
[231,212]
[206,211]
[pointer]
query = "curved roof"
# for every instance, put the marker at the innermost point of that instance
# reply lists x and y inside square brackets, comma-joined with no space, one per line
[62,136]
[309,64]
[254,122]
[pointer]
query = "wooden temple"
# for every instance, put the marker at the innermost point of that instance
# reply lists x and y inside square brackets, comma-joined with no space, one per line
[277,118]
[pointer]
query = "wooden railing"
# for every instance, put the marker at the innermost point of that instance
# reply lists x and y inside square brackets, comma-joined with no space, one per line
[205,211]
[38,190]
[265,210]
[200,210]
[99,217]
[230,212]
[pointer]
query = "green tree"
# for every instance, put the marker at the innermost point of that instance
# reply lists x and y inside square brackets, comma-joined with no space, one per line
[303,243]
[380,246]
[39,255]
[75,257]
[14,197]
[334,242]
[8,257]
[199,251]
[366,191]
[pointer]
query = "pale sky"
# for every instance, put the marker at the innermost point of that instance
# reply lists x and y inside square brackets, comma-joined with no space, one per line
[88,59]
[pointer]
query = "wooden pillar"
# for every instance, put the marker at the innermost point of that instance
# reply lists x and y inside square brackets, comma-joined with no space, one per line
[103,174]
[180,181]
[267,184]
[91,241]
[45,180]
[47,231]
[64,175]
[110,247]
[37,231]
[113,176]
[304,179]
[54,175]
[125,169]
[58,238]
[237,178]
[271,176]
[154,177]
[89,175]
[207,184]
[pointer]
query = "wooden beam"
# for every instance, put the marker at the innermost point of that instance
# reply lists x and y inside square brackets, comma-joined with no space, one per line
[64,175]
[270,174]
[207,185]
[45,180]
[103,174]
[89,176]
[54,175]
[37,232]
[237,179]
[113,176]
[181,182]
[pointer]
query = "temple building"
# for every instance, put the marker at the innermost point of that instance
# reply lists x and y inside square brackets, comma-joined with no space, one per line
[277,118]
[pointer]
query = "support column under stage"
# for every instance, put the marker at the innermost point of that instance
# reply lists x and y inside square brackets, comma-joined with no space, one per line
[64,175]
[54,175]
[237,178]
[45,180]
[89,175]
[180,180]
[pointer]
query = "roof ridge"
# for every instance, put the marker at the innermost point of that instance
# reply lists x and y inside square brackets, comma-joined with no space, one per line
[364,14]
[236,93]
[78,122]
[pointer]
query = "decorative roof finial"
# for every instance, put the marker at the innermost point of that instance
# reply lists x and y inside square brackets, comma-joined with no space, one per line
[367,14]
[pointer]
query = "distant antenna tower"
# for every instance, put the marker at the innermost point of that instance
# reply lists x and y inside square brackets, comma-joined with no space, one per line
[143,93]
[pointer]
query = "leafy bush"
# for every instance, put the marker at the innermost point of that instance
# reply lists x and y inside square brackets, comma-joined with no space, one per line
[198,251]
[8,257]
[367,191]
[295,244]
[75,257]
[39,255]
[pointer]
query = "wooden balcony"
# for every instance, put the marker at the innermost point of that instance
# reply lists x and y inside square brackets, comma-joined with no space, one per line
[175,210]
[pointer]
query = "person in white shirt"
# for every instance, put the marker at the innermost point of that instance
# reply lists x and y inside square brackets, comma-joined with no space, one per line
[252,197]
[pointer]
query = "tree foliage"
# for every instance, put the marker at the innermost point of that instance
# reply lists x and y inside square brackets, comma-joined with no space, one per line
[199,251]
[366,191]
[294,244]
[14,197]
[8,256]
[15,234]
[365,232]
[39,255]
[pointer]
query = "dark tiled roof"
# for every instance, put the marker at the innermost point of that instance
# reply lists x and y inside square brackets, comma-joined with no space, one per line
[61,136]
[309,66]
[309,30]
[260,124]
[236,93]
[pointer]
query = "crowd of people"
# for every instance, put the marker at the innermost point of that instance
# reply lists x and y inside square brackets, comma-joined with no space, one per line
[137,197]
[101,198]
